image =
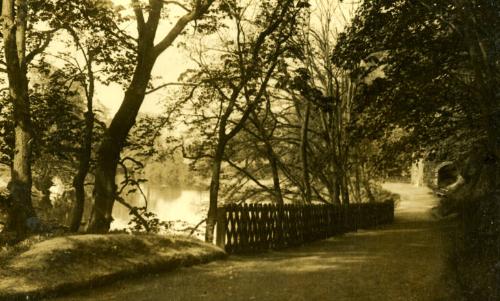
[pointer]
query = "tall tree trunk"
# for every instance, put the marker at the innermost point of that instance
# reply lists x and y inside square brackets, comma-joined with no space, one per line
[303,154]
[108,154]
[275,172]
[337,184]
[369,193]
[14,35]
[79,186]
[357,184]
[345,189]
[273,162]
[43,183]
[85,156]
[214,192]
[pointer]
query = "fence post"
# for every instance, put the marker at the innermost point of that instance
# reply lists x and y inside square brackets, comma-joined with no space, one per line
[279,227]
[221,228]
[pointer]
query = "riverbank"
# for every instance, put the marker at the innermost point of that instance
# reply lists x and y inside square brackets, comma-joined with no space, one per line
[63,264]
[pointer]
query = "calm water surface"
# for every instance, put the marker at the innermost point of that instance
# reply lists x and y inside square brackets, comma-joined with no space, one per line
[169,204]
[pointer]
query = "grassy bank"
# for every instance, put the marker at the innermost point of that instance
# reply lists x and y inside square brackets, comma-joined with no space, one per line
[61,264]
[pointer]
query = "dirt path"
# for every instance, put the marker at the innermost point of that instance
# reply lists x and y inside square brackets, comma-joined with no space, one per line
[403,261]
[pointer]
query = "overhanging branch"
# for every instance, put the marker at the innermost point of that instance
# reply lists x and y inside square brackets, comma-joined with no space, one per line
[178,4]
[171,84]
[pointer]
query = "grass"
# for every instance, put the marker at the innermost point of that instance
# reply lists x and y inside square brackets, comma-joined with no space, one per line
[39,267]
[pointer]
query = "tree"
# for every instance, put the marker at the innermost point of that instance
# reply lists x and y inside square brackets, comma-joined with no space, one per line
[320,96]
[432,70]
[240,83]
[99,41]
[116,134]
[15,30]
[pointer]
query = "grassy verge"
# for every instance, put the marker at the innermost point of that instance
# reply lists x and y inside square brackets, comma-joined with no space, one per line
[61,264]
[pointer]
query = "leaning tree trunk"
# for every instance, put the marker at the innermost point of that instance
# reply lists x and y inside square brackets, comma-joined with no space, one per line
[14,35]
[116,134]
[108,154]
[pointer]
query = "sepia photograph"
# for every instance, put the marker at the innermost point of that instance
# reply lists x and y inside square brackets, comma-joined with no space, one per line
[266,150]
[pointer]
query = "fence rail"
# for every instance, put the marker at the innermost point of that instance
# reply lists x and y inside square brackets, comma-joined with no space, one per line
[253,228]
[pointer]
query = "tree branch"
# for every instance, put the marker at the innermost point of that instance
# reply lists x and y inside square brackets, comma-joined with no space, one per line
[196,227]
[133,210]
[171,84]
[138,163]
[139,16]
[194,14]
[249,176]
[178,4]
[42,46]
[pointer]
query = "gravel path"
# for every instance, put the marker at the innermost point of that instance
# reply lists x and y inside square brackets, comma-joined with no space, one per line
[402,261]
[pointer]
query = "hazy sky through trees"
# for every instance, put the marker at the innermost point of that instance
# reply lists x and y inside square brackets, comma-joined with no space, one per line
[176,59]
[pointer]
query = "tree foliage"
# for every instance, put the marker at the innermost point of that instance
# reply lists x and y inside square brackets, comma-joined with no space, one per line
[431,73]
[429,68]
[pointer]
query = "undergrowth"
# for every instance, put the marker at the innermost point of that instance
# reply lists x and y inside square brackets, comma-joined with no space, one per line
[475,250]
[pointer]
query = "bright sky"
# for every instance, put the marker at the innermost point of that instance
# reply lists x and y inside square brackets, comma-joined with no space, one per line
[169,66]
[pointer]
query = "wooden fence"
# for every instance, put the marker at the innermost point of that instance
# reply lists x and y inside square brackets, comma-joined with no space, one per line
[253,228]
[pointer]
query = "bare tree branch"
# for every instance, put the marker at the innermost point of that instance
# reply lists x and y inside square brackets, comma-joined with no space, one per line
[171,84]
[199,9]
[178,4]
[133,210]
[250,176]
[196,227]
[138,163]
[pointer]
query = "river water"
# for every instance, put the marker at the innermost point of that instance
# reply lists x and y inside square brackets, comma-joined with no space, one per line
[186,207]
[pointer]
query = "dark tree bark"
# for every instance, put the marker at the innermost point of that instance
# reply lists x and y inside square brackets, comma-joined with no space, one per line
[109,150]
[303,154]
[14,15]
[214,191]
[273,162]
[108,154]
[85,153]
